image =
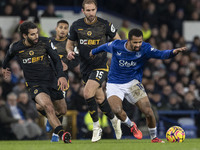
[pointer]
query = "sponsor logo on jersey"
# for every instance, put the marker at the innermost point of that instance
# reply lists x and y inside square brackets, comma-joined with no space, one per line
[124,63]
[89,33]
[119,54]
[138,54]
[89,42]
[33,59]
[31,53]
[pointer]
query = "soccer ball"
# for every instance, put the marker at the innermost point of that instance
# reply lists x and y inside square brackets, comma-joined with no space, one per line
[175,134]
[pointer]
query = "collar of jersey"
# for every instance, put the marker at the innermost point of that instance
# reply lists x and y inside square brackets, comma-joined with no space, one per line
[61,40]
[92,22]
[126,48]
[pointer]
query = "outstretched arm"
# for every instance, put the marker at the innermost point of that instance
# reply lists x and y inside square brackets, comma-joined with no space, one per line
[178,50]
[164,54]
[105,47]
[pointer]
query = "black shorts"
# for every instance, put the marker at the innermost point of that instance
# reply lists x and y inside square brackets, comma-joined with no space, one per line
[55,94]
[98,75]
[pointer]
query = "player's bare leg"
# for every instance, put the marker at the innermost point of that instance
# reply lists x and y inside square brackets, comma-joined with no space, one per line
[60,106]
[116,106]
[61,109]
[40,109]
[90,89]
[45,102]
[145,107]
[59,114]
[106,109]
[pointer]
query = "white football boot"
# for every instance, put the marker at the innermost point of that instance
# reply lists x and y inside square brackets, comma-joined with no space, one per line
[96,136]
[116,123]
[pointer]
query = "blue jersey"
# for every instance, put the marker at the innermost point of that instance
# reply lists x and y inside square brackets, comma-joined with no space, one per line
[127,65]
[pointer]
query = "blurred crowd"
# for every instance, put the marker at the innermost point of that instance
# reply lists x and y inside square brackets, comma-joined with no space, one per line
[172,84]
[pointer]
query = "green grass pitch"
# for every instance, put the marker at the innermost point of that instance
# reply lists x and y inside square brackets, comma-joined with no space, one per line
[125,144]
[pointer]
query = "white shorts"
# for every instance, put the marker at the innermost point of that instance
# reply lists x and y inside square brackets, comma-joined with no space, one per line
[133,91]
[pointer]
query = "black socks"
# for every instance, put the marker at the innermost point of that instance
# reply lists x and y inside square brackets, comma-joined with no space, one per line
[105,108]
[42,112]
[92,107]
[59,130]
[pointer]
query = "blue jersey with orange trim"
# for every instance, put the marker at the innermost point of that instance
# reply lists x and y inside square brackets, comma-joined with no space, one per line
[127,65]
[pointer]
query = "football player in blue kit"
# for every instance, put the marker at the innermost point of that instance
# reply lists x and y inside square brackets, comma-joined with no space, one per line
[125,76]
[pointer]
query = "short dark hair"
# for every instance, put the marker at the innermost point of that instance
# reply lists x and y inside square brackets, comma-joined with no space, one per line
[25,26]
[135,32]
[89,2]
[62,21]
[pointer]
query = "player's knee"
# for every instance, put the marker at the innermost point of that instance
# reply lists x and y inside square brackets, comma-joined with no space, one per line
[39,108]
[63,111]
[99,100]
[87,95]
[117,110]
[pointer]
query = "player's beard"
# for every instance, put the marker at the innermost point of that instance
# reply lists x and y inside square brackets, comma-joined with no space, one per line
[138,48]
[91,18]
[133,48]
[31,41]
